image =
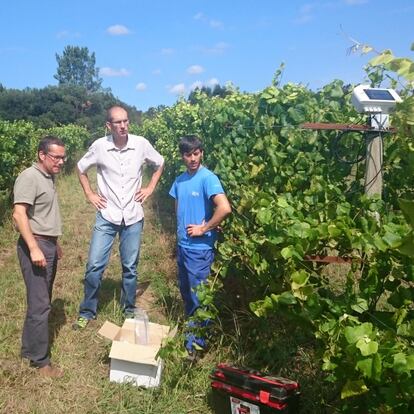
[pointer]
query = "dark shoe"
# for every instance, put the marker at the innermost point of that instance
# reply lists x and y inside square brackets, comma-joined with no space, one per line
[80,323]
[129,315]
[194,356]
[50,372]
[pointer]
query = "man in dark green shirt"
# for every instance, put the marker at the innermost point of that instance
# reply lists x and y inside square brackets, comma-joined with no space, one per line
[37,218]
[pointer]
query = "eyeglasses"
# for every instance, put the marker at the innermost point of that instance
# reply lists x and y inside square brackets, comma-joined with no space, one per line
[125,121]
[57,158]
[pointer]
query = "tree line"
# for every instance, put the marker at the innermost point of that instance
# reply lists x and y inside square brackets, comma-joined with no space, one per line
[79,97]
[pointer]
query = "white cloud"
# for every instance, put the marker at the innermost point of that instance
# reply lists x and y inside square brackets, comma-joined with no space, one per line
[178,89]
[213,82]
[156,72]
[167,51]
[141,86]
[355,2]
[304,18]
[218,49]
[195,69]
[64,34]
[221,46]
[111,72]
[214,23]
[12,50]
[306,13]
[408,9]
[196,84]
[118,30]
[307,8]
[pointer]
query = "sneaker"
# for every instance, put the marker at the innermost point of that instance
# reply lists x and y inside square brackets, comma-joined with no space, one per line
[80,323]
[129,315]
[193,356]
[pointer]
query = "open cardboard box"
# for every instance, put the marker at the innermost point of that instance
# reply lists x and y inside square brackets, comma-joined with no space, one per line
[131,362]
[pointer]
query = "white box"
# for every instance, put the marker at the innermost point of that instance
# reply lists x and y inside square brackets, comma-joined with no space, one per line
[131,362]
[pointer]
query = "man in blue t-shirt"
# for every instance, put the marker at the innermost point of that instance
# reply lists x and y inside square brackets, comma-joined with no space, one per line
[200,205]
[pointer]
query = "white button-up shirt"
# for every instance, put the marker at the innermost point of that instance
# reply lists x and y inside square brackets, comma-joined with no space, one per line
[119,175]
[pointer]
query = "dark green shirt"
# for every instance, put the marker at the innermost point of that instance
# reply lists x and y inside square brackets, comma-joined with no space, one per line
[38,189]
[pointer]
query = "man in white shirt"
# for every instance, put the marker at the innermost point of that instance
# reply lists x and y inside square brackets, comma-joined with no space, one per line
[119,159]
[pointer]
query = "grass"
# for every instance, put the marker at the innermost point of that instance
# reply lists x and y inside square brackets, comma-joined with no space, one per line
[84,355]
[85,389]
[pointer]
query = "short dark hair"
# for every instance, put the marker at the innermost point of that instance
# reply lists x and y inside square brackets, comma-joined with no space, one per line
[109,112]
[190,143]
[47,141]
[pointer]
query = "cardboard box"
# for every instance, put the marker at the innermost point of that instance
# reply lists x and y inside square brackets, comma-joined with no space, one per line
[131,362]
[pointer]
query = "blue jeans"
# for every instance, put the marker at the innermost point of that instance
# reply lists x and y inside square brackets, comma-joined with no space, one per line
[103,238]
[193,269]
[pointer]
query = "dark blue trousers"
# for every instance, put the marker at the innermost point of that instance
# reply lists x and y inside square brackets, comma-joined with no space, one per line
[39,284]
[194,267]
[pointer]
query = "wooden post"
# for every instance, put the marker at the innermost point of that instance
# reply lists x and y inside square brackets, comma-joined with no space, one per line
[373,167]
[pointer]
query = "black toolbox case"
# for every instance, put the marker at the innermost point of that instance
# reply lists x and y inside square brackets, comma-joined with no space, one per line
[246,391]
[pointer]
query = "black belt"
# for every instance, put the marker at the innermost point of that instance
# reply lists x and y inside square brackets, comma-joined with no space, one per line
[44,237]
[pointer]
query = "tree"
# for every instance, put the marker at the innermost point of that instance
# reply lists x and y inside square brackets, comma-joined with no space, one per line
[216,90]
[153,111]
[76,67]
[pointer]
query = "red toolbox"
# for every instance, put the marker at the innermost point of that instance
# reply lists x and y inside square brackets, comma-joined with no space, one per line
[245,391]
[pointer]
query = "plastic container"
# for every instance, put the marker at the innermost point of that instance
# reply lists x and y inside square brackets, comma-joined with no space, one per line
[141,326]
[240,390]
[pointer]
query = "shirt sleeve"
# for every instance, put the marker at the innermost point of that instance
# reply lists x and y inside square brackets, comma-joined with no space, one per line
[88,160]
[173,190]
[152,156]
[25,189]
[212,186]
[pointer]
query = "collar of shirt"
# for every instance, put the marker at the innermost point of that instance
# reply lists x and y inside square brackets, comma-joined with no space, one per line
[110,145]
[47,175]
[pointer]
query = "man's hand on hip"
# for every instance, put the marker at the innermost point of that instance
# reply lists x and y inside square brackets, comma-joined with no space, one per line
[99,202]
[143,194]
[196,230]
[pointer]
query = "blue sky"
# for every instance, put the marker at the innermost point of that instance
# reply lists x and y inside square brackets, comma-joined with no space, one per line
[150,52]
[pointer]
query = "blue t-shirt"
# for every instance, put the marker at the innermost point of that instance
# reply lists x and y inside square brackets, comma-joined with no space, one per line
[194,204]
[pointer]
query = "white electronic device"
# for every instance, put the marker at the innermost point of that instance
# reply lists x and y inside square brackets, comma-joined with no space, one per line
[374,100]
